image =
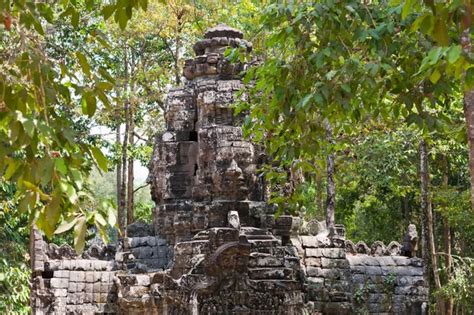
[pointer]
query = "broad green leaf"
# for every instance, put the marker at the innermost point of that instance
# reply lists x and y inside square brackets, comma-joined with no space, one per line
[99,158]
[91,104]
[100,219]
[80,234]
[435,76]
[13,165]
[52,214]
[75,18]
[108,10]
[60,164]
[65,226]
[454,53]
[111,216]
[83,62]
[407,8]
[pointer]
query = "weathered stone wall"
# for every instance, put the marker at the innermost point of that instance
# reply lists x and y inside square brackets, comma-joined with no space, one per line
[343,278]
[64,283]
[147,253]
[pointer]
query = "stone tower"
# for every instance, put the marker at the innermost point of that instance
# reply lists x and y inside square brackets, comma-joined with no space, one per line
[202,168]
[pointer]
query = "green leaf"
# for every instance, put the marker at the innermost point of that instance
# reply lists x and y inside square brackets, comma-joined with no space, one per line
[111,216]
[65,226]
[108,10]
[29,127]
[11,169]
[71,193]
[91,104]
[100,219]
[435,76]
[454,53]
[407,8]
[80,234]
[99,158]
[83,62]
[75,18]
[60,164]
[52,212]
[122,17]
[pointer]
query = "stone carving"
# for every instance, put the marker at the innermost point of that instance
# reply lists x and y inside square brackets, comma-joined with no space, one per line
[410,242]
[233,219]
[362,248]
[350,247]
[394,248]
[378,248]
[215,246]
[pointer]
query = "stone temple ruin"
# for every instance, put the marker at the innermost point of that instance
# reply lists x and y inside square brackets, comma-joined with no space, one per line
[215,246]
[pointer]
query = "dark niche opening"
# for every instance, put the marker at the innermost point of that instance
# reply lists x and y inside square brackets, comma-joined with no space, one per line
[193,136]
[196,167]
[47,274]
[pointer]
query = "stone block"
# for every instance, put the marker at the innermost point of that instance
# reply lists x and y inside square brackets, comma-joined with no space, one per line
[386,261]
[72,287]
[388,270]
[264,260]
[410,281]
[88,297]
[96,297]
[313,252]
[96,287]
[407,271]
[373,270]
[142,280]
[324,273]
[80,286]
[105,288]
[315,281]
[309,241]
[97,275]
[89,277]
[60,292]
[61,274]
[270,273]
[401,260]
[356,260]
[83,264]
[77,276]
[334,263]
[59,283]
[65,264]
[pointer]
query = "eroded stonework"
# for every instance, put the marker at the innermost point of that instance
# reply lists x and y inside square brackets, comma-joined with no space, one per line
[214,246]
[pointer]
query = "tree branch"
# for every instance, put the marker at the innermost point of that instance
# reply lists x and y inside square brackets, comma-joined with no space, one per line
[140,187]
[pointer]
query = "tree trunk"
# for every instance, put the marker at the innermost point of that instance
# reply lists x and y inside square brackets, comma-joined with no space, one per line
[319,193]
[179,27]
[428,218]
[469,95]
[118,167]
[469,115]
[447,239]
[449,263]
[130,192]
[123,186]
[331,186]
